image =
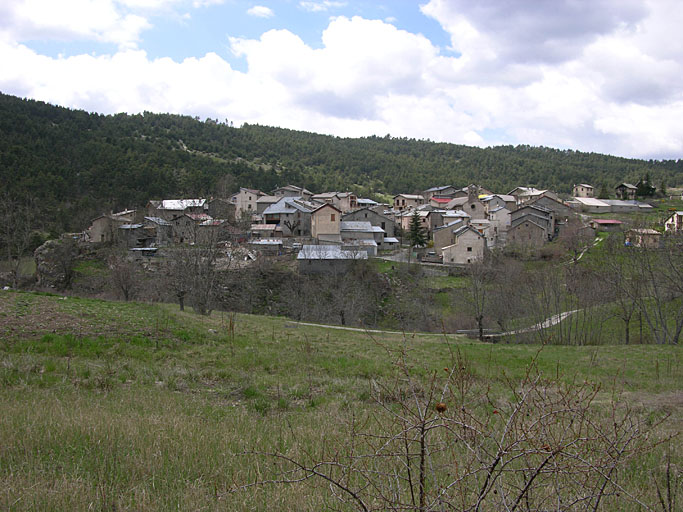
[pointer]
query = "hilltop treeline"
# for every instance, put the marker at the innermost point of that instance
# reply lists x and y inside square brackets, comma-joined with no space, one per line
[76,164]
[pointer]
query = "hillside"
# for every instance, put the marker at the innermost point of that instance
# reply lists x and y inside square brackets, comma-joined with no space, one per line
[133,406]
[78,164]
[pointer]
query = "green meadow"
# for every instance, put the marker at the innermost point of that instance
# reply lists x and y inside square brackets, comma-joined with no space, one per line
[131,406]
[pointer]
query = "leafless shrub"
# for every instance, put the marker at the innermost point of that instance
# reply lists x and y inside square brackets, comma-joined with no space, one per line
[442,443]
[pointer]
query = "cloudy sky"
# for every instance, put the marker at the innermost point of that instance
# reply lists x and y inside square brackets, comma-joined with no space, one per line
[592,75]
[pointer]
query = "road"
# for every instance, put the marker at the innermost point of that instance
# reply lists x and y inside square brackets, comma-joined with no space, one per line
[548,322]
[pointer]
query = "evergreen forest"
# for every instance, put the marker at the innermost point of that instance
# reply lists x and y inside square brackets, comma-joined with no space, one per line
[75,165]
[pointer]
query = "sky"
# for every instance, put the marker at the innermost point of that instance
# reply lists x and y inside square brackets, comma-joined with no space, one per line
[590,75]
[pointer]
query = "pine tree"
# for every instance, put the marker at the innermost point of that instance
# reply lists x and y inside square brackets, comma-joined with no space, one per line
[416,235]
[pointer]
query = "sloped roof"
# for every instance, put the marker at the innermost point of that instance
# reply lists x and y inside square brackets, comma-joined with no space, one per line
[179,204]
[359,226]
[438,189]
[290,205]
[329,252]
[294,188]
[441,200]
[410,196]
[591,201]
[199,216]
[607,222]
[458,201]
[449,225]
[462,230]
[268,199]
[533,206]
[496,210]
[158,220]
[327,205]
[365,201]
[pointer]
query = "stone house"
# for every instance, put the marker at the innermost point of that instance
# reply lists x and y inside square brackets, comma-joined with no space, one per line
[559,208]
[327,259]
[583,190]
[219,208]
[159,230]
[355,230]
[471,204]
[325,223]
[446,191]
[674,223]
[499,201]
[429,219]
[404,202]
[213,231]
[443,236]
[626,191]
[469,246]
[648,238]
[264,202]
[104,229]
[608,225]
[527,194]
[499,219]
[538,214]
[292,215]
[344,201]
[373,217]
[244,200]
[526,232]
[170,208]
[186,227]
[292,191]
[590,205]
[265,231]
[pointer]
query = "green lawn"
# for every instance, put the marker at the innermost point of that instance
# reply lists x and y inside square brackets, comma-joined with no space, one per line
[128,406]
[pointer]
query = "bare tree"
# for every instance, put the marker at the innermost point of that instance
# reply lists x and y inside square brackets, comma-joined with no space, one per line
[441,443]
[575,237]
[194,272]
[661,299]
[476,298]
[65,253]
[624,285]
[18,221]
[125,275]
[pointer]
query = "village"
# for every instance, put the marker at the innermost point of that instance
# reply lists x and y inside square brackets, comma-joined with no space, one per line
[328,230]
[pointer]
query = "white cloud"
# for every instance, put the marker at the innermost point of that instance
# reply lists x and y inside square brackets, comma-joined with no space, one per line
[321,5]
[614,89]
[260,11]
[98,20]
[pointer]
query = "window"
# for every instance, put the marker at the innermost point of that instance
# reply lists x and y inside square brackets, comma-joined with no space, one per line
[332,219]
[473,206]
[383,226]
[469,249]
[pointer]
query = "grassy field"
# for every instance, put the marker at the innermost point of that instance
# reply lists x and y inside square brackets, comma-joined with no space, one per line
[127,406]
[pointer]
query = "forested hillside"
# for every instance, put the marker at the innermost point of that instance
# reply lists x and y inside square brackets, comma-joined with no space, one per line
[76,164]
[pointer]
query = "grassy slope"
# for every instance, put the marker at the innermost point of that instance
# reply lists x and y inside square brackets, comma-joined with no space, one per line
[113,405]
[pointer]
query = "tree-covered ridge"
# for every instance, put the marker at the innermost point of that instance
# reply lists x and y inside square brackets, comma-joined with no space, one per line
[78,164]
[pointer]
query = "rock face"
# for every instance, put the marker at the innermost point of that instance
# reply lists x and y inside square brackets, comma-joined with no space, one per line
[54,263]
